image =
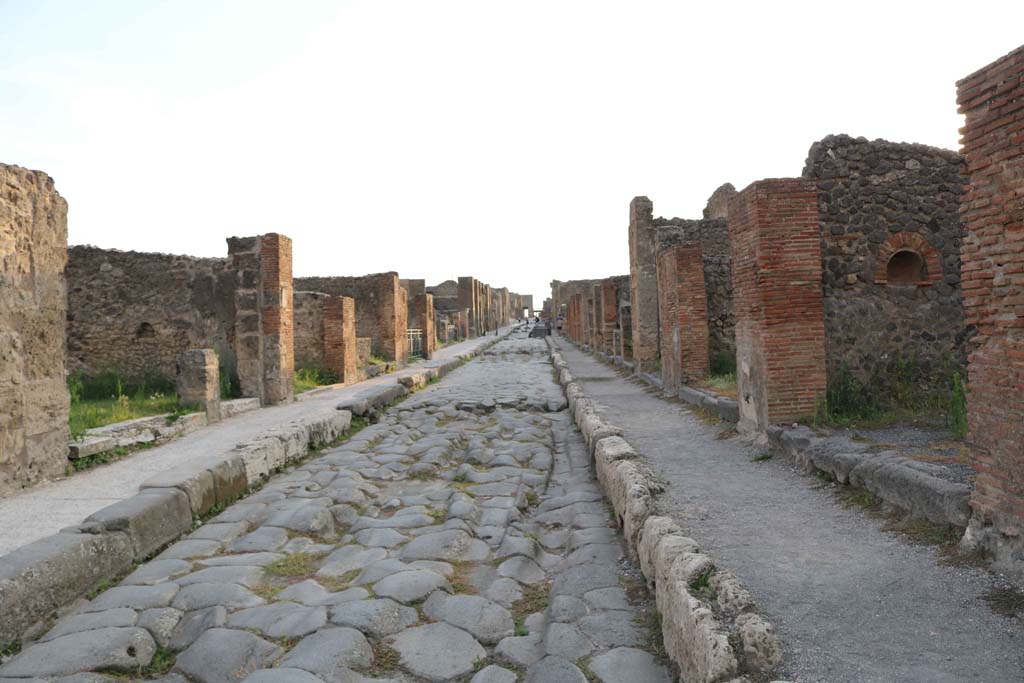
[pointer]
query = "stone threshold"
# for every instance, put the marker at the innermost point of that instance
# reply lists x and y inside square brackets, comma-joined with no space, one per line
[43,579]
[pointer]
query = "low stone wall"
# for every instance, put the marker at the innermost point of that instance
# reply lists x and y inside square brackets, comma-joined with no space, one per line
[710,627]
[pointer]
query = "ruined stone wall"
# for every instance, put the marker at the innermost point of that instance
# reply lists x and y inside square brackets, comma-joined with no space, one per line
[992,101]
[421,316]
[325,334]
[879,201]
[446,295]
[381,309]
[33,306]
[780,333]
[134,313]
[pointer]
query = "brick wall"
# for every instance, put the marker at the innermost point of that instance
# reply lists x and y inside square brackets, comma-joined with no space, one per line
[325,334]
[992,101]
[682,304]
[421,316]
[381,308]
[33,307]
[609,314]
[776,266]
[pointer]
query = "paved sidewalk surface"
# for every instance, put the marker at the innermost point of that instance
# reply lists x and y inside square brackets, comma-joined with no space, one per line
[50,507]
[461,538]
[849,601]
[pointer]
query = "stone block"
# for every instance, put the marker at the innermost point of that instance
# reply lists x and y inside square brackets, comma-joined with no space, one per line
[191,478]
[198,381]
[150,519]
[40,578]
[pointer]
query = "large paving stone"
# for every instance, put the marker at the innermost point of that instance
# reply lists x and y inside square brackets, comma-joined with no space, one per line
[75,623]
[223,655]
[554,670]
[119,649]
[438,652]
[629,664]
[494,674]
[266,539]
[241,574]
[377,617]
[280,619]
[350,558]
[488,621]
[410,586]
[450,545]
[157,571]
[282,675]
[151,519]
[200,595]
[331,653]
[194,624]
[136,597]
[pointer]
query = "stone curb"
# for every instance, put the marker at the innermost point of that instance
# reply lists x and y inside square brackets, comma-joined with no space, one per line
[40,579]
[917,488]
[709,625]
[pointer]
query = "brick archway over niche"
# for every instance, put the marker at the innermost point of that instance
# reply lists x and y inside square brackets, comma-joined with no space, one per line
[912,242]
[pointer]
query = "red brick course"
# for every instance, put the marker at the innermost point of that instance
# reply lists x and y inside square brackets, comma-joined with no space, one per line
[992,210]
[339,338]
[780,335]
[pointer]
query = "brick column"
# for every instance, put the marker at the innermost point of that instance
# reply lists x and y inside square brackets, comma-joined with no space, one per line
[339,338]
[422,317]
[780,335]
[198,381]
[992,210]
[264,323]
[467,303]
[682,304]
[609,314]
[33,314]
[643,283]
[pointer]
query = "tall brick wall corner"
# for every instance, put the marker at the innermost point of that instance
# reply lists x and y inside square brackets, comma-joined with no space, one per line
[992,210]
[780,336]
[33,309]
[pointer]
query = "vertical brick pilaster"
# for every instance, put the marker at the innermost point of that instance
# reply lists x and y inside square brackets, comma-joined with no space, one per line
[264,323]
[682,304]
[780,337]
[992,253]
[421,316]
[339,338]
[643,283]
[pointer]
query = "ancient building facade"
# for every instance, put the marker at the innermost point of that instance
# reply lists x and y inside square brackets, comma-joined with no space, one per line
[890,243]
[992,101]
[33,306]
[682,306]
[382,309]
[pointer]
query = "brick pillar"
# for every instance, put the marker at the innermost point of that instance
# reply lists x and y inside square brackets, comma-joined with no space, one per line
[993,286]
[198,381]
[421,316]
[264,323]
[596,319]
[339,338]
[682,304]
[780,335]
[33,314]
[643,283]
[609,315]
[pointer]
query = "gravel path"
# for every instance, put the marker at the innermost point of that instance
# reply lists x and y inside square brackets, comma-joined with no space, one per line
[850,602]
[461,538]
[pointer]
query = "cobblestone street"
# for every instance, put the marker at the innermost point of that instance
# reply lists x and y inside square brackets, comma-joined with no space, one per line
[460,538]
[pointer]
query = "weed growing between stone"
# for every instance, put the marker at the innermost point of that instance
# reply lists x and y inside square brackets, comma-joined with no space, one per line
[311,378]
[106,457]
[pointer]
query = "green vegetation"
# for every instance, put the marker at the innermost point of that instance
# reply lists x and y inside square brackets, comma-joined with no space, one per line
[761,457]
[907,391]
[106,399]
[296,564]
[723,363]
[311,378]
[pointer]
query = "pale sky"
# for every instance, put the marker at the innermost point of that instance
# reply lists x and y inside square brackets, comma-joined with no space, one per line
[502,140]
